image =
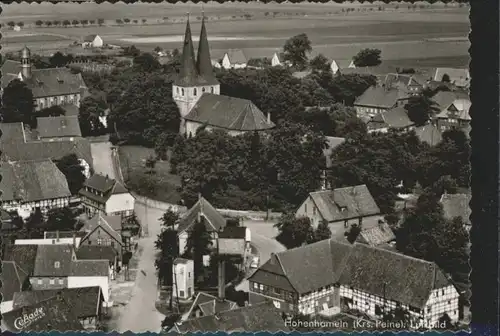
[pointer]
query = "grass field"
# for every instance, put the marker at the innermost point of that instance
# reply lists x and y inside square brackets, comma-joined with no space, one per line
[132,164]
[400,34]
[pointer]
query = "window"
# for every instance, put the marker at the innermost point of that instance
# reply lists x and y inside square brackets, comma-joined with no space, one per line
[181,293]
[61,281]
[211,90]
[261,287]
[305,207]
[195,91]
[277,290]
[99,241]
[277,304]
[177,90]
[39,281]
[112,244]
[182,92]
[51,281]
[202,89]
[57,264]
[189,274]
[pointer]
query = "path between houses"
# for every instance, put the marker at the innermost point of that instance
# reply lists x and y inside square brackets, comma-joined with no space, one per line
[102,158]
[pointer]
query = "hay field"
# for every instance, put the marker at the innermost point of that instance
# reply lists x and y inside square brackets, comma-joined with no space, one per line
[436,35]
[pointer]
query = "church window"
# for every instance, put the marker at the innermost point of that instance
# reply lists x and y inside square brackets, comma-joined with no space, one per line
[202,89]
[195,91]
[182,92]
[212,89]
[177,89]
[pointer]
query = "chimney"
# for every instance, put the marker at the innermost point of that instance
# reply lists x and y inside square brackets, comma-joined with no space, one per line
[222,280]
[269,118]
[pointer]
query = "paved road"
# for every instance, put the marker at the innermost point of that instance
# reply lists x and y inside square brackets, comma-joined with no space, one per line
[263,233]
[102,157]
[140,314]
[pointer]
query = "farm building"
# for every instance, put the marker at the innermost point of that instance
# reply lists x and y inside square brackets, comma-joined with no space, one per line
[92,41]
[234,59]
[456,76]
[196,91]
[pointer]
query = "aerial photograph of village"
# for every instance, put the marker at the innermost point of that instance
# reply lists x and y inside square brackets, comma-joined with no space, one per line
[235,167]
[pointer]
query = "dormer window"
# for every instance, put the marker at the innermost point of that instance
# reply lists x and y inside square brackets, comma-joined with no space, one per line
[343,208]
[57,264]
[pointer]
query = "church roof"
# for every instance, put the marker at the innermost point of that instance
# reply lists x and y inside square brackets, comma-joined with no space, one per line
[188,75]
[229,113]
[204,62]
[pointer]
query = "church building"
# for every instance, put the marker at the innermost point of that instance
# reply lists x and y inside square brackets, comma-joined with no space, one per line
[196,91]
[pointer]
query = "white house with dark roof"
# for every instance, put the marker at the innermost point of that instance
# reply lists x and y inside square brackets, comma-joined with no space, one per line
[454,116]
[28,185]
[328,277]
[92,41]
[336,65]
[378,99]
[459,77]
[103,230]
[234,59]
[341,208]
[395,118]
[183,278]
[51,87]
[101,194]
[196,92]
[203,211]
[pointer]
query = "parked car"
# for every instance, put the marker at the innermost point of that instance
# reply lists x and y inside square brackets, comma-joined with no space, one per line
[255,262]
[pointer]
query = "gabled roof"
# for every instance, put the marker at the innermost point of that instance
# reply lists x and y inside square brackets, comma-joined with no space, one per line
[13,279]
[96,252]
[458,109]
[342,63]
[213,219]
[84,302]
[83,268]
[332,143]
[100,221]
[345,203]
[102,184]
[272,274]
[376,235]
[23,256]
[380,97]
[429,133]
[457,205]
[444,99]
[236,56]
[54,314]
[210,305]
[53,261]
[458,77]
[56,127]
[203,61]
[90,38]
[229,113]
[255,318]
[407,280]
[395,79]
[394,118]
[29,181]
[54,82]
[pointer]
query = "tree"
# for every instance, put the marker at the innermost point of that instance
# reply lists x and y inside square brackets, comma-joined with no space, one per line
[169,321]
[48,23]
[61,219]
[198,245]
[59,60]
[157,49]
[420,109]
[92,22]
[131,51]
[322,232]
[320,63]
[126,20]
[20,24]
[91,108]
[38,23]
[84,22]
[53,111]
[296,49]
[17,103]
[11,24]
[75,22]
[144,21]
[168,245]
[446,78]
[367,57]
[146,62]
[294,232]
[353,233]
[70,166]
[56,22]
[151,163]
[135,21]
[119,21]
[66,23]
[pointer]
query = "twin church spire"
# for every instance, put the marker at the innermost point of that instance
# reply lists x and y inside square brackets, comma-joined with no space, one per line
[196,71]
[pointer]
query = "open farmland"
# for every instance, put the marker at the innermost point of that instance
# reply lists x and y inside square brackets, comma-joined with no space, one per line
[431,34]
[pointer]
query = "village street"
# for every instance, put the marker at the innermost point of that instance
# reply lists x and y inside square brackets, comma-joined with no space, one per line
[103,159]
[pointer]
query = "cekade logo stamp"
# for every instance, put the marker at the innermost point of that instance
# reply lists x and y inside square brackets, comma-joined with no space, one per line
[26,320]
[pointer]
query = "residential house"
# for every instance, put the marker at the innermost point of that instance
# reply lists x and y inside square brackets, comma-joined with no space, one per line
[54,238]
[341,208]
[56,267]
[411,84]
[234,240]
[328,277]
[205,305]
[58,128]
[234,59]
[14,279]
[457,205]
[216,64]
[54,314]
[20,144]
[202,211]
[255,318]
[104,230]
[278,59]
[28,185]
[96,252]
[459,77]
[331,144]
[395,118]
[101,194]
[336,65]
[378,235]
[454,116]
[444,99]
[50,87]
[85,303]
[92,41]
[378,99]
[183,279]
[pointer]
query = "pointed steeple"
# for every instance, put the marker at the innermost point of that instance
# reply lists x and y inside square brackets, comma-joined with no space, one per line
[204,62]
[188,74]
